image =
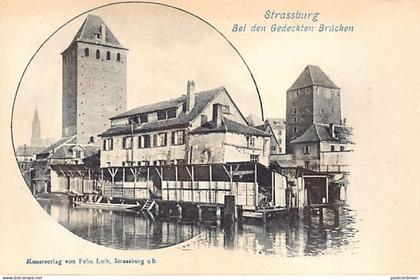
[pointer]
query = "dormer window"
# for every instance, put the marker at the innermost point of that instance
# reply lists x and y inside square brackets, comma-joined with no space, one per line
[161,115]
[171,113]
[143,118]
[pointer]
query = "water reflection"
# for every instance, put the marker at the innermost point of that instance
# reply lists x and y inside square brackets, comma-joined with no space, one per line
[287,236]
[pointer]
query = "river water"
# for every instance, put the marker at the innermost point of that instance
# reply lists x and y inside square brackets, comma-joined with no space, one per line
[285,236]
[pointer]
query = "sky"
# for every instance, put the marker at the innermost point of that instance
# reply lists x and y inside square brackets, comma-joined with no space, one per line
[167,47]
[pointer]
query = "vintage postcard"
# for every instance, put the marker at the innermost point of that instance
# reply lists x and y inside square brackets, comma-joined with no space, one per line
[209,137]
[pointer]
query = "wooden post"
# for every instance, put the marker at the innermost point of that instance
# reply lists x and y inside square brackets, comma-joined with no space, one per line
[321,216]
[192,183]
[176,183]
[147,182]
[200,213]
[179,211]
[123,181]
[256,185]
[272,189]
[336,216]
[326,189]
[210,182]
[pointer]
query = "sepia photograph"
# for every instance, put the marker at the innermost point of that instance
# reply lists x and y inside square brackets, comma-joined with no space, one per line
[142,132]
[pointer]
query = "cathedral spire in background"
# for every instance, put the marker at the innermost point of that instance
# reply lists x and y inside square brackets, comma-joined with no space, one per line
[36,129]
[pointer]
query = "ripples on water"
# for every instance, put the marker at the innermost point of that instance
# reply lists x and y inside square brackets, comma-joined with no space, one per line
[286,236]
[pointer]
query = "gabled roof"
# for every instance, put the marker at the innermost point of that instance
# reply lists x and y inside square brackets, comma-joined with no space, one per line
[59,143]
[202,99]
[312,76]
[322,133]
[92,26]
[63,149]
[230,126]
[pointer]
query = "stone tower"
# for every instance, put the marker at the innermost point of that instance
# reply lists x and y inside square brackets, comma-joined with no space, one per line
[94,81]
[36,130]
[313,98]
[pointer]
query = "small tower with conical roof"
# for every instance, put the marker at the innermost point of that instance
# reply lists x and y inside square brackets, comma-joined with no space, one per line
[36,130]
[312,98]
[94,86]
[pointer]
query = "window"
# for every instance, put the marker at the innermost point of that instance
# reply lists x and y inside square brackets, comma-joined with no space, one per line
[341,148]
[161,162]
[144,118]
[273,148]
[108,144]
[178,137]
[254,158]
[160,140]
[225,109]
[295,119]
[127,142]
[184,107]
[133,120]
[91,139]
[98,54]
[118,57]
[279,140]
[144,141]
[144,162]
[108,55]
[332,148]
[306,149]
[78,154]
[294,129]
[87,52]
[181,161]
[279,132]
[280,150]
[171,113]
[161,115]
[251,141]
[294,110]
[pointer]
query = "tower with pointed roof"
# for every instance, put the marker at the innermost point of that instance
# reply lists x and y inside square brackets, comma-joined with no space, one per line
[312,98]
[94,85]
[36,130]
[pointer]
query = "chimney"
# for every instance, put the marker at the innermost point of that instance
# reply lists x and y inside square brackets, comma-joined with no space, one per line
[190,95]
[332,127]
[217,115]
[103,32]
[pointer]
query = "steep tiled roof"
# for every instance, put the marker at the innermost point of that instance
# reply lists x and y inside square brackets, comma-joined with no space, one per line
[312,76]
[92,26]
[322,132]
[202,99]
[230,126]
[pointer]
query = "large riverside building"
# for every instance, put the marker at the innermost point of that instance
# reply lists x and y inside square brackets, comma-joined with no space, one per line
[202,127]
